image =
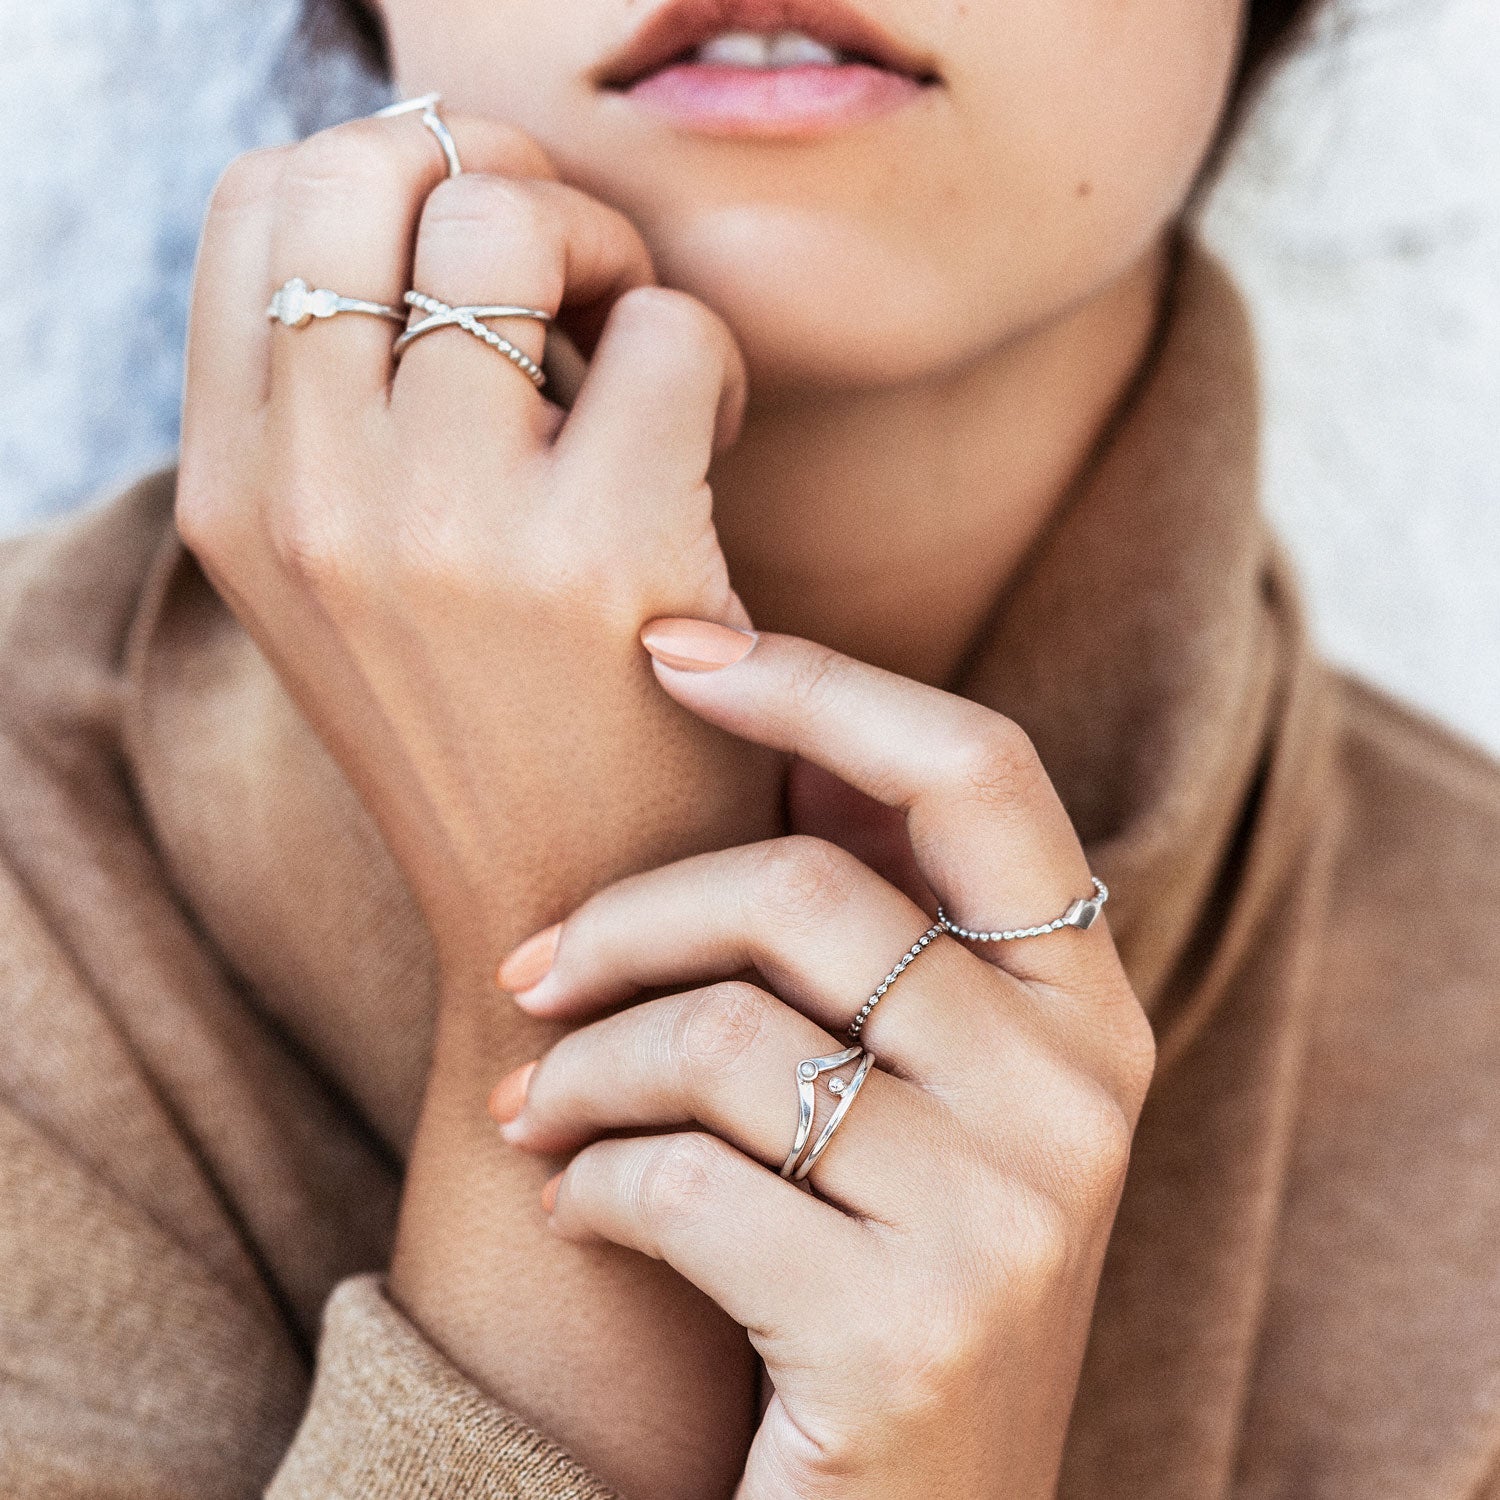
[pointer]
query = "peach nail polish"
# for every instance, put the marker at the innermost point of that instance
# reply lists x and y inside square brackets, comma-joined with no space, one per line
[549,1193]
[528,964]
[508,1097]
[696,645]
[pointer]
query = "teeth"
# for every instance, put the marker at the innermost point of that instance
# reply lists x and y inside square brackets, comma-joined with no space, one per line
[737,49]
[790,49]
[754,49]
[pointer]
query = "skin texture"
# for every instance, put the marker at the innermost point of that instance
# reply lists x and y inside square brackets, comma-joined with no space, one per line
[451,574]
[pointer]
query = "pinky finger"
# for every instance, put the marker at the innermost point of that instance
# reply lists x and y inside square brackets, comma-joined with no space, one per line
[772,1256]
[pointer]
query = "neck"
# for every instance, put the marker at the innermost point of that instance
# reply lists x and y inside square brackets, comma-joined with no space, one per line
[887,523]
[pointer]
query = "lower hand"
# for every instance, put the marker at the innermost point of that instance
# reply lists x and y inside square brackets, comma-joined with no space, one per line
[922,1315]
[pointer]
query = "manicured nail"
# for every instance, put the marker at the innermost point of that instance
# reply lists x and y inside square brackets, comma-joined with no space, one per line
[696,645]
[528,964]
[508,1097]
[549,1193]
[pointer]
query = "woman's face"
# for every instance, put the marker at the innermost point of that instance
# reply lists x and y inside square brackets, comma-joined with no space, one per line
[870,191]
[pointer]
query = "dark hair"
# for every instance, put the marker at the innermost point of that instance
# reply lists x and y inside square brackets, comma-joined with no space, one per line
[354,23]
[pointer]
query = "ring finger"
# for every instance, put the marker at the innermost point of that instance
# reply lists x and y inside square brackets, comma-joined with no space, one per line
[349,203]
[727,1058]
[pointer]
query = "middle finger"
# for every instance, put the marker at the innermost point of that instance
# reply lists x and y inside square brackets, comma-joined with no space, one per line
[725,1057]
[493,239]
[823,930]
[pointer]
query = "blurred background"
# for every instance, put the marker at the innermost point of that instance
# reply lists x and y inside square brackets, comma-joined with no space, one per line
[1360,211]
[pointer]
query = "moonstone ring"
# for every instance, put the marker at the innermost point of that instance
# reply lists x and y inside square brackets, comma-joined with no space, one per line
[295,305]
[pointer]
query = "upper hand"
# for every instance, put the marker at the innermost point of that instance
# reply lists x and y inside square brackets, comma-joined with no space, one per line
[922,1315]
[447,570]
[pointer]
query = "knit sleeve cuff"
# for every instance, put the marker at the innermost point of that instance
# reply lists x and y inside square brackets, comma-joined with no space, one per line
[389,1416]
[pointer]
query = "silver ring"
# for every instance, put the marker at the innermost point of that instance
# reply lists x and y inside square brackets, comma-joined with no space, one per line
[426,106]
[441,315]
[863,1014]
[809,1070]
[1081,914]
[846,1099]
[449,318]
[294,304]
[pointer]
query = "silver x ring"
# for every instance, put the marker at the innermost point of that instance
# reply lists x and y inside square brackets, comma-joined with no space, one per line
[442,315]
[427,107]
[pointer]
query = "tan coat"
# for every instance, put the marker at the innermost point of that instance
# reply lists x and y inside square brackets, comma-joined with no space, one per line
[1303,1292]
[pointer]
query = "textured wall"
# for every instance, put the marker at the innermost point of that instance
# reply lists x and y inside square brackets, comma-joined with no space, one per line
[1361,212]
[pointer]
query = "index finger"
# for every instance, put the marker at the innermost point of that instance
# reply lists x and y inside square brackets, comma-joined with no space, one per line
[987,828]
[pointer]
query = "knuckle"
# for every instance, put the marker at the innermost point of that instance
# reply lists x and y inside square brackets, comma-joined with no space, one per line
[996,762]
[357,156]
[248,181]
[802,878]
[718,1026]
[462,205]
[1037,1246]
[813,682]
[310,547]
[927,1360]
[1134,1050]
[1092,1143]
[198,515]
[681,1173]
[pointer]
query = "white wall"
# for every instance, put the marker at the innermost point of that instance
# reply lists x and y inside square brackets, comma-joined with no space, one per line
[1362,215]
[1361,212]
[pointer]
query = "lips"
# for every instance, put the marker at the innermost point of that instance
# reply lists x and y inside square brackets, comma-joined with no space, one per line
[673,33]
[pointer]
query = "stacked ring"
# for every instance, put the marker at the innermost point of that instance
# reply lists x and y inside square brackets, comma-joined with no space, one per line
[1081,914]
[800,1159]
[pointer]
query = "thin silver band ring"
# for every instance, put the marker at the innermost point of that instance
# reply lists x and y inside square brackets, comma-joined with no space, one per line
[846,1099]
[427,106]
[436,320]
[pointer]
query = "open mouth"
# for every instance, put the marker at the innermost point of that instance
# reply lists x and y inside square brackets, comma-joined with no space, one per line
[765,67]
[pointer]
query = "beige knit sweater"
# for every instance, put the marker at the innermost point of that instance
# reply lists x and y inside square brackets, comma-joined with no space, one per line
[1302,1297]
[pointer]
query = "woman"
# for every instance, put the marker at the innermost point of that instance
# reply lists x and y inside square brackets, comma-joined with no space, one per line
[875,329]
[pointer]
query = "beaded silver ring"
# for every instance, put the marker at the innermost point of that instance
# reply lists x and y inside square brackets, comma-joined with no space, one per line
[1081,914]
[442,315]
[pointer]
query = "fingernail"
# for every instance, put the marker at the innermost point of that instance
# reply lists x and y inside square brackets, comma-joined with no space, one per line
[528,964]
[696,645]
[508,1097]
[549,1193]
